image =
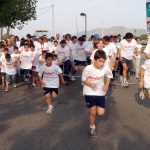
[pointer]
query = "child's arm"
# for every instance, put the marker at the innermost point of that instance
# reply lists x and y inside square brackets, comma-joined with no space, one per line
[106,84]
[141,74]
[92,85]
[41,82]
[61,79]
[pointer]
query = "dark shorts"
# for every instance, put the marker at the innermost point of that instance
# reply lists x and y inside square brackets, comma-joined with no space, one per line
[3,74]
[50,90]
[129,63]
[78,63]
[25,71]
[92,101]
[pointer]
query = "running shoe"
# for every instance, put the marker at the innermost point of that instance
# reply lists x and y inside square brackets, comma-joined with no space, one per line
[49,111]
[142,94]
[92,132]
[73,78]
[125,83]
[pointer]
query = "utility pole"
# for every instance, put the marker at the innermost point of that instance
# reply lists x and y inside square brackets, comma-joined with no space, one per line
[53,20]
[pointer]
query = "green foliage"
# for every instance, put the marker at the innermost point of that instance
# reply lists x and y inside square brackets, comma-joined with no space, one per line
[143,37]
[15,13]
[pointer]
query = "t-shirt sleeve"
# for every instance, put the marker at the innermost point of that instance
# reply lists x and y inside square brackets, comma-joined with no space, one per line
[147,49]
[59,69]
[145,65]
[84,74]
[41,72]
[109,72]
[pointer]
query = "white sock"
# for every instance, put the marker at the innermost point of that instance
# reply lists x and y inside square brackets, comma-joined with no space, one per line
[50,107]
[92,127]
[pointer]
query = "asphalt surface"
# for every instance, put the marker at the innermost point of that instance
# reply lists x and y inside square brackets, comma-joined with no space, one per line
[24,124]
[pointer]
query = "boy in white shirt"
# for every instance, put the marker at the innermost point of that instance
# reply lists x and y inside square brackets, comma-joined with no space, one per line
[145,80]
[10,70]
[26,59]
[126,49]
[94,88]
[2,62]
[49,79]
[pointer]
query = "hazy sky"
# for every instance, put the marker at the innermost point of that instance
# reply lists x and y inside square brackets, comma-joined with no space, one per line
[128,13]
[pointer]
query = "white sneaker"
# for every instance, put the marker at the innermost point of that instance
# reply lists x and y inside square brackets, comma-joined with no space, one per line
[50,110]
[121,80]
[125,83]
[15,86]
[34,84]
[73,78]
[142,95]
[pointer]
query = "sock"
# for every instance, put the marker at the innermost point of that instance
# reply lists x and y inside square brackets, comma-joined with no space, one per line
[92,127]
[50,107]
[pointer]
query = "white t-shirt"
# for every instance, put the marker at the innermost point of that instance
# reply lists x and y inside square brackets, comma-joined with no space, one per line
[96,76]
[50,75]
[80,53]
[146,67]
[112,48]
[89,46]
[41,63]
[26,58]
[139,47]
[73,48]
[9,67]
[63,53]
[2,61]
[15,57]
[147,49]
[36,56]
[127,49]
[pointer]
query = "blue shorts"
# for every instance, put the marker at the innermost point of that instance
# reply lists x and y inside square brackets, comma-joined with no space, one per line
[92,101]
[50,90]
[11,78]
[82,63]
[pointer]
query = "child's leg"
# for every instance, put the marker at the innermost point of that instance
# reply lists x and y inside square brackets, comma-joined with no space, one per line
[125,70]
[100,111]
[92,116]
[48,99]
[7,82]
[3,79]
[54,94]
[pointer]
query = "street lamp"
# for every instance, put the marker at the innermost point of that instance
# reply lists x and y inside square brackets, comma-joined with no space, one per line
[84,15]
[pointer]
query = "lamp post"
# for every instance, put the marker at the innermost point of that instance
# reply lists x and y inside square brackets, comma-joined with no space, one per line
[84,15]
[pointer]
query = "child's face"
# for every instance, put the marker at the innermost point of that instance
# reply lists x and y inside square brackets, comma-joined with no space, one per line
[32,49]
[16,51]
[63,45]
[49,61]
[129,40]
[99,63]
[5,52]
[100,45]
[8,59]
[26,47]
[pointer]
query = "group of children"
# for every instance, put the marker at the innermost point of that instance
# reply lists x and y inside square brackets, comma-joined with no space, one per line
[97,59]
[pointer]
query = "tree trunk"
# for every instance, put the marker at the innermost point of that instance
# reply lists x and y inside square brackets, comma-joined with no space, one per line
[1,33]
[8,31]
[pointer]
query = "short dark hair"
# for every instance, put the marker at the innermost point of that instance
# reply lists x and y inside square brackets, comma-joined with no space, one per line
[49,55]
[100,54]
[62,42]
[82,39]
[7,56]
[106,38]
[128,35]
[74,37]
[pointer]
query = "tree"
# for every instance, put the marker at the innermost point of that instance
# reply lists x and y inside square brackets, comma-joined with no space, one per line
[143,37]
[16,13]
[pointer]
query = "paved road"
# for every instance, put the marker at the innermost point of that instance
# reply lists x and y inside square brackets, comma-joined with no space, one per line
[24,125]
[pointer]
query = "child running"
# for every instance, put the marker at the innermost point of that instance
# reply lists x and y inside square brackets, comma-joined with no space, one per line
[95,89]
[145,80]
[49,78]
